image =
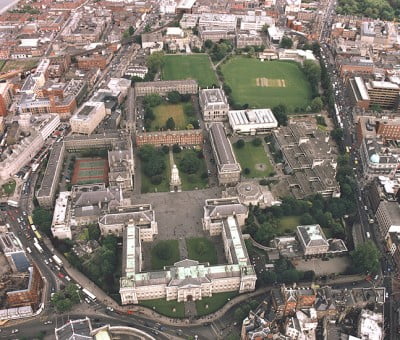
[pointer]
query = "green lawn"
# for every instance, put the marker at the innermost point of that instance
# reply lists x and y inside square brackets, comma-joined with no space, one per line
[164,111]
[287,223]
[25,64]
[172,251]
[191,181]
[165,307]
[9,187]
[201,249]
[214,303]
[254,158]
[247,77]
[147,186]
[196,67]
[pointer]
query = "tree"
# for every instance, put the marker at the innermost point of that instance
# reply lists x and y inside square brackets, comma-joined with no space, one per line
[174,97]
[240,143]
[64,300]
[317,104]
[152,100]
[264,29]
[170,123]
[188,110]
[256,141]
[290,276]
[246,171]
[307,219]
[155,166]
[155,61]
[286,42]
[189,163]
[156,180]
[268,277]
[43,218]
[251,52]
[94,232]
[136,79]
[176,148]
[146,152]
[337,134]
[131,30]
[280,113]
[376,108]
[208,43]
[365,258]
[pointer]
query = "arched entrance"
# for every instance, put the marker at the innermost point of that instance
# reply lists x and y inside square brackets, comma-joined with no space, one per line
[189,298]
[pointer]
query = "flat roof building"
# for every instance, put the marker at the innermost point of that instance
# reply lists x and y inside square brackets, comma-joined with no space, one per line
[88,117]
[228,168]
[163,87]
[252,122]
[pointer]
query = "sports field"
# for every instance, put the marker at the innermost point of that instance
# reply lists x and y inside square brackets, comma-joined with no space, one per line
[90,170]
[164,111]
[267,84]
[198,67]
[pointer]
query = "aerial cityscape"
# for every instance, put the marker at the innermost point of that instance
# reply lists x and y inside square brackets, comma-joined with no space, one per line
[196,169]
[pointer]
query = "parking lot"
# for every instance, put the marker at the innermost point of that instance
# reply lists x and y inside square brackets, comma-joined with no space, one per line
[336,265]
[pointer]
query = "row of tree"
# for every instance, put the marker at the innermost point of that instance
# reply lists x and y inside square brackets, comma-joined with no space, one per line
[219,50]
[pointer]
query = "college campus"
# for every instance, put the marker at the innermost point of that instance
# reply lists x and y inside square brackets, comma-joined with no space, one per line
[190,169]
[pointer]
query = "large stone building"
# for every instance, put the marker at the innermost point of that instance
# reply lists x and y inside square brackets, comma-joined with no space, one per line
[312,239]
[214,104]
[163,87]
[228,168]
[6,96]
[121,165]
[187,280]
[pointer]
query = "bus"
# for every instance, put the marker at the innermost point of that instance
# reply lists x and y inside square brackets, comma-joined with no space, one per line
[30,219]
[13,203]
[38,247]
[33,227]
[57,260]
[37,234]
[35,167]
[89,294]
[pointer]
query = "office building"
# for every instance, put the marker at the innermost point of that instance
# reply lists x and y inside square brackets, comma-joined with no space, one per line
[252,122]
[88,117]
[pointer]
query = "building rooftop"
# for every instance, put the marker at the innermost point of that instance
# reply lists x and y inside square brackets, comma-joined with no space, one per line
[312,235]
[222,146]
[75,330]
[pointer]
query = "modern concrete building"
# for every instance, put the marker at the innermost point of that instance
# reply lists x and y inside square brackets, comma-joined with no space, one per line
[214,105]
[228,168]
[88,117]
[312,239]
[163,87]
[60,226]
[252,122]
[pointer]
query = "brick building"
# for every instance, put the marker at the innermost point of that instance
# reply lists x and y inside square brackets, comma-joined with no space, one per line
[159,138]
[30,295]
[95,61]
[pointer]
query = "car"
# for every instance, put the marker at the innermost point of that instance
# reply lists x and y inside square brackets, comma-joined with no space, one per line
[110,309]
[14,331]
[87,301]
[67,278]
[48,322]
[50,260]
[45,261]
[60,275]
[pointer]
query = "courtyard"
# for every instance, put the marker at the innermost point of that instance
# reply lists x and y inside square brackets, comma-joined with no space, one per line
[90,170]
[175,111]
[267,84]
[336,265]
[255,159]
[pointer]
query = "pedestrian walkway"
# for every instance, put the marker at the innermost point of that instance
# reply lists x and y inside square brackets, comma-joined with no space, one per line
[190,309]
